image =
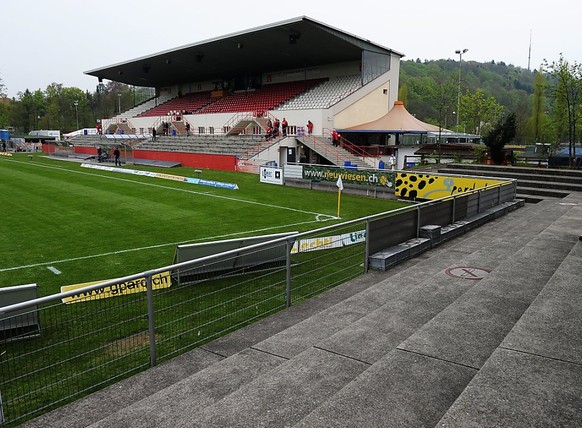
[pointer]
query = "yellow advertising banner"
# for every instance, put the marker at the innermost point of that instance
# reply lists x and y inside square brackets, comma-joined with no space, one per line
[430,186]
[161,280]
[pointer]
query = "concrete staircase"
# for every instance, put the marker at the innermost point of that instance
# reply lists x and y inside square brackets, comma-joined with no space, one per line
[336,155]
[484,330]
[533,184]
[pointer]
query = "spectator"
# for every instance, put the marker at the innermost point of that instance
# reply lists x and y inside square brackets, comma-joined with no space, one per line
[153,133]
[188,129]
[284,126]
[99,154]
[116,156]
[276,125]
[335,138]
[3,145]
[309,127]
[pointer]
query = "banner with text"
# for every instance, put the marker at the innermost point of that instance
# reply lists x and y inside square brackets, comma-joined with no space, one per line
[349,176]
[161,280]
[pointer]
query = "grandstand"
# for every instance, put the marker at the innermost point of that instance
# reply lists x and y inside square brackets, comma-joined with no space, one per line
[227,90]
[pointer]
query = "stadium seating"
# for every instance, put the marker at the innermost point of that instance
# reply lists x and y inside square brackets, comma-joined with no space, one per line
[324,95]
[260,100]
[303,94]
[189,103]
[145,106]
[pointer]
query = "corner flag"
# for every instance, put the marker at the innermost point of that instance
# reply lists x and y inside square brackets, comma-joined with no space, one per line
[340,187]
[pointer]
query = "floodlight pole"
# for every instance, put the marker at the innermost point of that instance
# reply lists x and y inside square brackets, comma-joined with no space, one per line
[460,53]
[77,113]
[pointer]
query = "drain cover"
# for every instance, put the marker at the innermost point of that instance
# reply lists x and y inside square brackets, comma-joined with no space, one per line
[467,272]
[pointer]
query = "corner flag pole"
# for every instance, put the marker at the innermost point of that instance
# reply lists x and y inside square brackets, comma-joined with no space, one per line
[340,187]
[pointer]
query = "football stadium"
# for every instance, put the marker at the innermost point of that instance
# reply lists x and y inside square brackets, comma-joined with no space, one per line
[253,245]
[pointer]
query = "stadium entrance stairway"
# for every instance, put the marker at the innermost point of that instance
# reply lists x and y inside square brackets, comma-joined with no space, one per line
[336,155]
[484,330]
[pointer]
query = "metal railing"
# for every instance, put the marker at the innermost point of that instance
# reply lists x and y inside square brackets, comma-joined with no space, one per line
[94,336]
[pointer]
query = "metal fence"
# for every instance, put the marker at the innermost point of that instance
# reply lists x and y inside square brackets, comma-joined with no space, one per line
[92,337]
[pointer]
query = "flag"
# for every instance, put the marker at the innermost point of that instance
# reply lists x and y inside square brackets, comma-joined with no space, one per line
[340,187]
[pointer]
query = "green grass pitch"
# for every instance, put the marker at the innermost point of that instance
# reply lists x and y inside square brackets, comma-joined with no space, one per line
[64,224]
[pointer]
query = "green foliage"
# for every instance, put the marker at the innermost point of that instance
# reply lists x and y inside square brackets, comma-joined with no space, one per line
[502,133]
[403,94]
[508,86]
[547,103]
[480,152]
[566,90]
[444,99]
[539,118]
[2,89]
[54,108]
[479,112]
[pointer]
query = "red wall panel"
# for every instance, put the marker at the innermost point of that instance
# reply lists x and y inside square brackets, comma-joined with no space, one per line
[192,160]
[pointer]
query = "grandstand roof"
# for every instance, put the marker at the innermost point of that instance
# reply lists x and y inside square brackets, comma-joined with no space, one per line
[295,43]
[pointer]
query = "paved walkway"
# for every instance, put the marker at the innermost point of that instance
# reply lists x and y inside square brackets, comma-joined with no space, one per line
[484,330]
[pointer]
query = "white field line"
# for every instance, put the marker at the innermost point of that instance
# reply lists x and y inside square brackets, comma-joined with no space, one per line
[210,195]
[149,247]
[319,217]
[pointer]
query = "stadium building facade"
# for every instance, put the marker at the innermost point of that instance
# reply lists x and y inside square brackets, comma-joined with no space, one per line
[299,70]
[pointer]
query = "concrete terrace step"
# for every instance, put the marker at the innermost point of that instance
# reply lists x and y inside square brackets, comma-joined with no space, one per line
[404,347]
[540,174]
[543,192]
[531,179]
[424,377]
[532,199]
[534,358]
[564,172]
[410,306]
[533,184]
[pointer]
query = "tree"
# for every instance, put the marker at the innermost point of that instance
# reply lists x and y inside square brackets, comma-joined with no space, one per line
[479,112]
[4,106]
[502,133]
[403,93]
[538,117]
[443,100]
[23,111]
[2,89]
[567,93]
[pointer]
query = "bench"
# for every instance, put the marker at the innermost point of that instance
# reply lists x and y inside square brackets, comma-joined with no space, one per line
[21,323]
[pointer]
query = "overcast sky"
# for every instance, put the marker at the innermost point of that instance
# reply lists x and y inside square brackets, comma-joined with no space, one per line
[46,41]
